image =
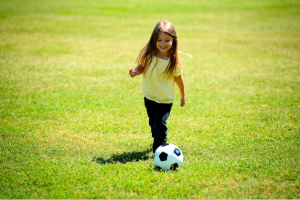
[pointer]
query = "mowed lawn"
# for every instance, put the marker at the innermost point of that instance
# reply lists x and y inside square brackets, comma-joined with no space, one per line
[73,123]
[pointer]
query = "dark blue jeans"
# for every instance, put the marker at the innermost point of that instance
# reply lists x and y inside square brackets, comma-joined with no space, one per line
[158,114]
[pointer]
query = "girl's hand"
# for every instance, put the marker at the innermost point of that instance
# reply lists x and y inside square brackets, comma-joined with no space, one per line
[180,84]
[182,101]
[132,73]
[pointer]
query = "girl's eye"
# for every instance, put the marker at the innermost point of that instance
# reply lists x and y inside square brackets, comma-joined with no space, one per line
[167,40]
[158,40]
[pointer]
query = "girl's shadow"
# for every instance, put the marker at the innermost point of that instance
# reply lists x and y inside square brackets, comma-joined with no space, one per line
[125,157]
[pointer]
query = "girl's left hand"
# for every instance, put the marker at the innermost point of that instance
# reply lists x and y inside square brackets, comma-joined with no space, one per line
[182,102]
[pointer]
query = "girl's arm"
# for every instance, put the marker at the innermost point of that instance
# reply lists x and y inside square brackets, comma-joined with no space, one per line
[136,71]
[180,85]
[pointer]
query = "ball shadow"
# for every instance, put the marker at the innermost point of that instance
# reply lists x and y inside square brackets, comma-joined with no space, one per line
[124,158]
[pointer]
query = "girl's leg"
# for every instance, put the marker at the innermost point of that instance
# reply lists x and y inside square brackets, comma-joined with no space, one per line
[162,114]
[150,107]
[151,111]
[158,115]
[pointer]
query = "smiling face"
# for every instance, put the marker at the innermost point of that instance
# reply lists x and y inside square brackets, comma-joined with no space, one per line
[164,44]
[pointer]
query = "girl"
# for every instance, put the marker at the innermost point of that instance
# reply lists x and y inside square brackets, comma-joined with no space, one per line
[160,65]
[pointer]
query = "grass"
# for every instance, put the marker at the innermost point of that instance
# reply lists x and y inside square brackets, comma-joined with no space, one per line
[73,124]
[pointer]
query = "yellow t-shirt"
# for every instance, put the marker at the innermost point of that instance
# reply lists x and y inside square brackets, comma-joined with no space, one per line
[157,86]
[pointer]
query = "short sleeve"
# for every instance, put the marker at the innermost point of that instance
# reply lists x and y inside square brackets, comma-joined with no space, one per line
[178,71]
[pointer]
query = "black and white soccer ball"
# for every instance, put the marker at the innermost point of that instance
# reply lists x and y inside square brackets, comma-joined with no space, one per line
[168,157]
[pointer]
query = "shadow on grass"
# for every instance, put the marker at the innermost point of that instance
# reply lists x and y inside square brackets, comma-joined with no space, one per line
[124,158]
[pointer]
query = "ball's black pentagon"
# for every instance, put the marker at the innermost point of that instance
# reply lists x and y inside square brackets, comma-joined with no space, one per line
[174,166]
[177,152]
[163,156]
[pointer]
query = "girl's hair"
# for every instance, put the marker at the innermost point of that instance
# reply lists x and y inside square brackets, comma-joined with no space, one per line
[146,55]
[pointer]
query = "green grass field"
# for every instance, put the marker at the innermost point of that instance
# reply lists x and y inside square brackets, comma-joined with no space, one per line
[73,123]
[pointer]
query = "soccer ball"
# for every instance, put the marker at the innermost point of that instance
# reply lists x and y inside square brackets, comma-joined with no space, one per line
[168,157]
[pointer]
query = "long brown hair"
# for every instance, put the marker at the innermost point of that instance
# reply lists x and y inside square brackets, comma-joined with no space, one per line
[146,55]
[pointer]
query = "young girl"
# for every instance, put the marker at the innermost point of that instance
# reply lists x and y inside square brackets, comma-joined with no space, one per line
[160,65]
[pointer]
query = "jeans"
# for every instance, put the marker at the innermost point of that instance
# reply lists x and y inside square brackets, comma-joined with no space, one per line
[158,114]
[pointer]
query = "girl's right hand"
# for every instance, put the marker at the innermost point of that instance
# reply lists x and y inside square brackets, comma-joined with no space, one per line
[132,73]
